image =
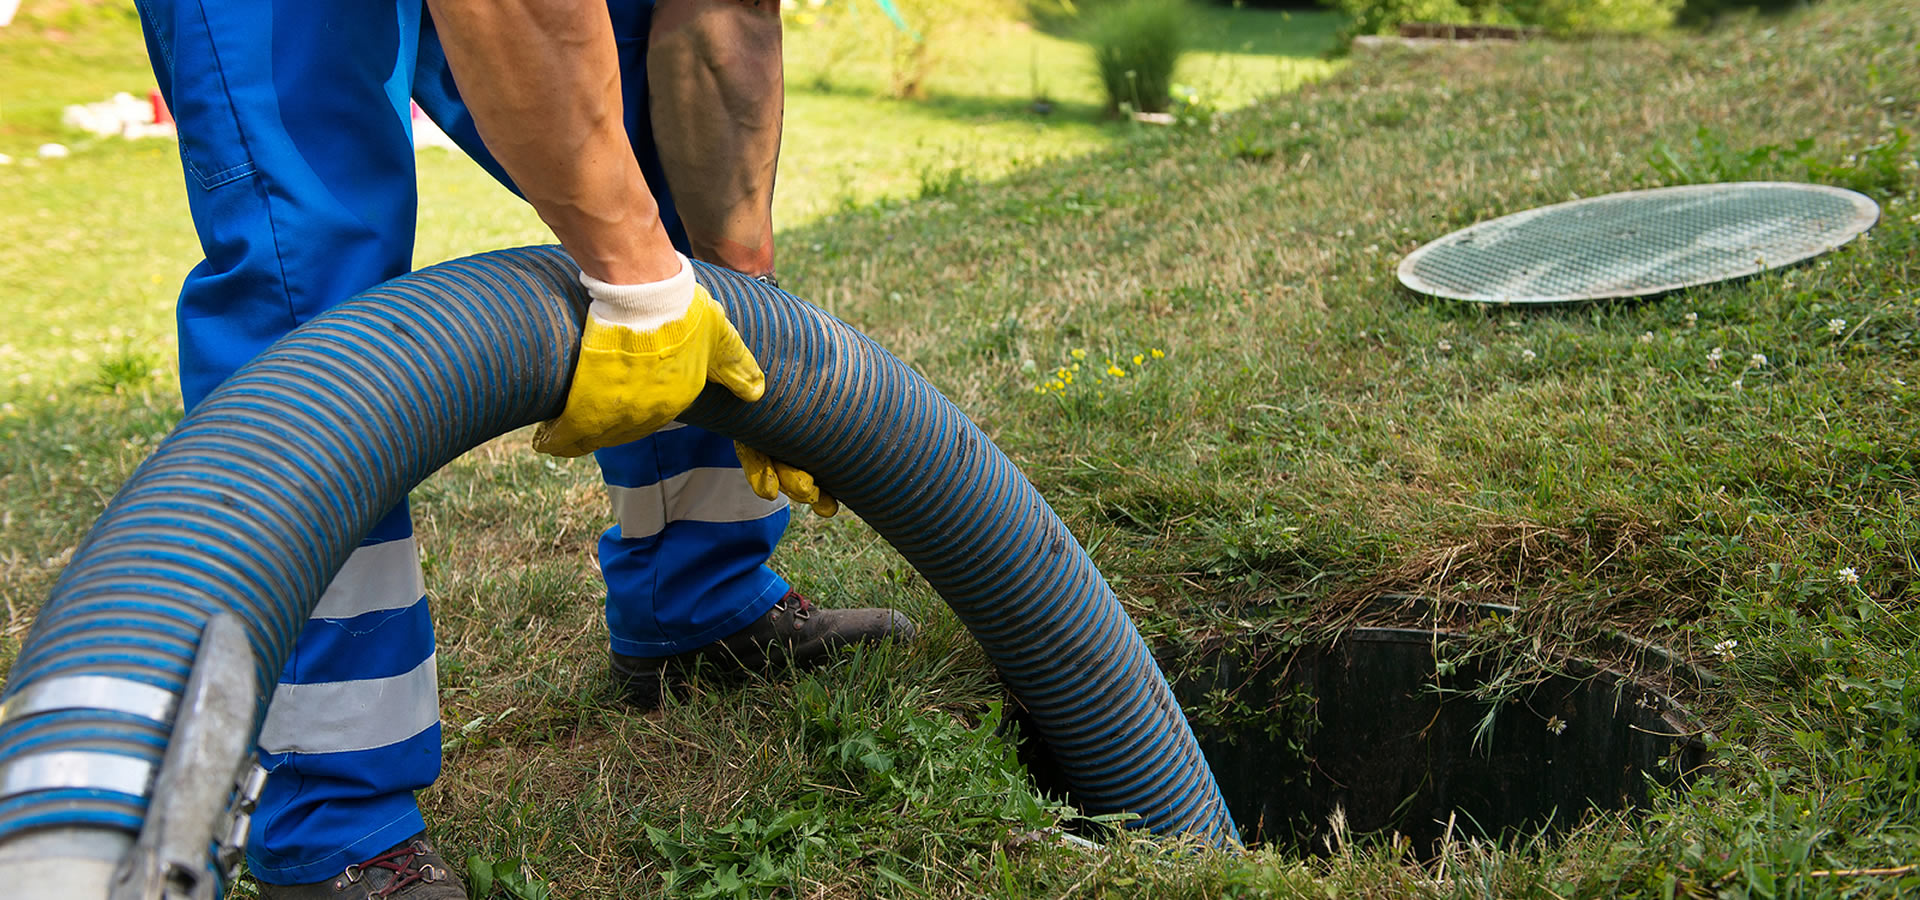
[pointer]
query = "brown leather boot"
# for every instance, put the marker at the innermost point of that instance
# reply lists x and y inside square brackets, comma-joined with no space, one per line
[411,870]
[794,634]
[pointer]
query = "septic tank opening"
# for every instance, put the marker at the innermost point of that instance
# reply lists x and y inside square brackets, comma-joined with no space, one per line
[1394,729]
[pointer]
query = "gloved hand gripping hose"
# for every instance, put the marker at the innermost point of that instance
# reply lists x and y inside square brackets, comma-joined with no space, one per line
[257,498]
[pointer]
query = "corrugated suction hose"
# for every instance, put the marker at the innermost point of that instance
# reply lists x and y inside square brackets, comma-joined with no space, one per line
[256,499]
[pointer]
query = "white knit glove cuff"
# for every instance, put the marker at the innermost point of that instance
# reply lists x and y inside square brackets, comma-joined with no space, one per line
[641,307]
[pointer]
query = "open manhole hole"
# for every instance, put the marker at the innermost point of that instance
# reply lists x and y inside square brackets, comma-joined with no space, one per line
[1394,731]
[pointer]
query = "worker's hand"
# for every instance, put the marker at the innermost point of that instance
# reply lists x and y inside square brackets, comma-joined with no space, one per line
[769,478]
[648,351]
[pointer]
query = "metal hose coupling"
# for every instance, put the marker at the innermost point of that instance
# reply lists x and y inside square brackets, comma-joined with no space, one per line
[200,800]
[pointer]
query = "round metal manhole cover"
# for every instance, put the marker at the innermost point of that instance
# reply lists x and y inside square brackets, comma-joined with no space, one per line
[1638,243]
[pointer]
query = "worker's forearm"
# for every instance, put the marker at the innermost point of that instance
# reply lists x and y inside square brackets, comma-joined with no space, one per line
[713,70]
[542,79]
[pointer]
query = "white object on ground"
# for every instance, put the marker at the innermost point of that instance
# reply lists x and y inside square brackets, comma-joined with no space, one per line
[127,116]
[5,160]
[53,151]
[7,9]
[122,115]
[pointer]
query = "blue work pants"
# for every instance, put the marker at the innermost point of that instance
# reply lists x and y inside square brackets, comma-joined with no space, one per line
[296,145]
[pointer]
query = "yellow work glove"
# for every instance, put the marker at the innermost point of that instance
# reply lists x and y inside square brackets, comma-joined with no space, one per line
[648,351]
[769,478]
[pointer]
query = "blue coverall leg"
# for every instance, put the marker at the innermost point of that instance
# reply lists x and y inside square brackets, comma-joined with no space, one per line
[295,141]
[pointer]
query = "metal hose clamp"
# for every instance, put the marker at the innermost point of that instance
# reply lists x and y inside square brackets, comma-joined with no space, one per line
[135,698]
[76,769]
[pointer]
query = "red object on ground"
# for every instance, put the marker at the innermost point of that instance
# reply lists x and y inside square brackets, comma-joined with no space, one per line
[161,115]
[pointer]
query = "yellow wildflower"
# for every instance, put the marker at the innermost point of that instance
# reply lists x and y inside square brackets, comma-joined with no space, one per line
[1159,353]
[1139,360]
[1079,354]
[1116,372]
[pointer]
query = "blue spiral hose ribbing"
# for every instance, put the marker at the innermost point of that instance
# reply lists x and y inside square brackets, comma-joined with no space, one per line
[257,498]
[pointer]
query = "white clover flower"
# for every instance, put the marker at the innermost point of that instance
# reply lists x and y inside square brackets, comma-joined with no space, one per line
[1758,360]
[1646,337]
[1693,318]
[1444,345]
[1527,355]
[1556,725]
[1713,356]
[1835,326]
[1848,575]
[1737,384]
[1724,649]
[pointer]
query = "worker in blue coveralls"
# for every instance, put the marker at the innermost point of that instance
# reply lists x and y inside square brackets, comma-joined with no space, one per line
[295,138]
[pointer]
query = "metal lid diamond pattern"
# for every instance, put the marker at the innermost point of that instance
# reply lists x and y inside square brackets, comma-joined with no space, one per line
[1638,243]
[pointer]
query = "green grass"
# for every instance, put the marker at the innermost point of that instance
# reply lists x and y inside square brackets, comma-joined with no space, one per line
[1314,439]
[976,120]
[104,231]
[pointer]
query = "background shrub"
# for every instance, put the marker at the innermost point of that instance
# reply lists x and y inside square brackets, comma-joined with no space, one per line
[907,38]
[1596,16]
[1557,16]
[1383,16]
[1136,45]
[1704,12]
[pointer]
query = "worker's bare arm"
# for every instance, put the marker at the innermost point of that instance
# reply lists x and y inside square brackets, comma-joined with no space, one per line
[713,68]
[542,79]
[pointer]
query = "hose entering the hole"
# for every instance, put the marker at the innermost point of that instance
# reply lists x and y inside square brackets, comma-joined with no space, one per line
[253,503]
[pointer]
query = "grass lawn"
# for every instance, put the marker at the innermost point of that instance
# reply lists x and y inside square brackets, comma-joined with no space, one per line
[1729,472]
[106,228]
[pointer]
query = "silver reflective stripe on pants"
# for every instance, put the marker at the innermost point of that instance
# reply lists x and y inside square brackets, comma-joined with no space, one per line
[376,577]
[343,716]
[696,495]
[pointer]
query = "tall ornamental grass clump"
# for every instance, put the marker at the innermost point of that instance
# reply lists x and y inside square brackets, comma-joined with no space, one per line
[1136,45]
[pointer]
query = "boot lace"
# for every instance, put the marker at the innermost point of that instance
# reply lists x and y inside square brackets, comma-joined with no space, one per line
[403,862]
[799,607]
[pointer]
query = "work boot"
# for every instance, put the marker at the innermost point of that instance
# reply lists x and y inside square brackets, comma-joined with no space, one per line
[411,870]
[794,634]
